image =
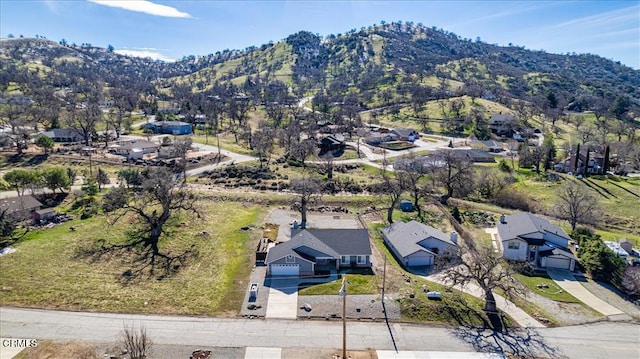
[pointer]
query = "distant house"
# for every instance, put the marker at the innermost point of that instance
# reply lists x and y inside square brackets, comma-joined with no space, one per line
[313,251]
[502,124]
[528,238]
[377,138]
[488,146]
[65,135]
[627,245]
[135,149]
[472,155]
[616,248]
[20,207]
[169,127]
[595,166]
[405,134]
[416,244]
[331,143]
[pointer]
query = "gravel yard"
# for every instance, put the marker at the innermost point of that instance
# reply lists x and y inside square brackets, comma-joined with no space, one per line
[611,296]
[358,307]
[563,313]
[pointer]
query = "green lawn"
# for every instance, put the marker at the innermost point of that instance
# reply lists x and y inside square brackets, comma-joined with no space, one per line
[49,271]
[548,288]
[358,284]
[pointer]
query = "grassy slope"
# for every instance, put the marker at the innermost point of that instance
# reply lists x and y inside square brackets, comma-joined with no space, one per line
[61,279]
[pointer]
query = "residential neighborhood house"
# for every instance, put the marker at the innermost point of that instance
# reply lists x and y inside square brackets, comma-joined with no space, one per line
[415,244]
[66,135]
[314,251]
[134,150]
[502,124]
[405,134]
[487,146]
[595,166]
[528,238]
[169,127]
[20,207]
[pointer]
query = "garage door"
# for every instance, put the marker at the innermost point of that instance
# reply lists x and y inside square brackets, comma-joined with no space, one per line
[419,259]
[285,270]
[562,263]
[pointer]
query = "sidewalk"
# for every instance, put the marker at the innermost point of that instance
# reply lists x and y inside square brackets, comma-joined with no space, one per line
[567,281]
[519,315]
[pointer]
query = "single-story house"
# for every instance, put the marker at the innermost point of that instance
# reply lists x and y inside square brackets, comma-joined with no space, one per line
[331,143]
[169,127]
[488,146]
[135,149]
[377,138]
[405,134]
[416,244]
[472,155]
[20,207]
[68,135]
[311,251]
[528,238]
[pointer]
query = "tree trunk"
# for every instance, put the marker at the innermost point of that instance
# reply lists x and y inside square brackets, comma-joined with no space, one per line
[490,302]
[416,204]
[303,213]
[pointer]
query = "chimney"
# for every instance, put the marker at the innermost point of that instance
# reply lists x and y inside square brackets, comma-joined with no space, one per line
[503,219]
[454,237]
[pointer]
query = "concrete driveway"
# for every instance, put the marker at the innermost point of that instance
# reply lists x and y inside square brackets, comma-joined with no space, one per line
[283,298]
[567,281]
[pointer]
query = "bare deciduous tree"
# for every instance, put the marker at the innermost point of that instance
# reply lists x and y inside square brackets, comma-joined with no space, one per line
[412,171]
[490,182]
[159,199]
[308,190]
[483,267]
[576,204]
[453,172]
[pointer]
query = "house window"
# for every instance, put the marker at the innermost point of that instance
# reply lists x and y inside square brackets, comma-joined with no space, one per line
[290,259]
[514,244]
[362,259]
[344,259]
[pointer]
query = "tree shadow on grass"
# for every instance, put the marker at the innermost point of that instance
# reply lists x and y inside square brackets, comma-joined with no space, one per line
[139,262]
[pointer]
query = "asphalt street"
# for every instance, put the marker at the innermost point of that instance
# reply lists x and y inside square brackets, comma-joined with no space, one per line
[599,340]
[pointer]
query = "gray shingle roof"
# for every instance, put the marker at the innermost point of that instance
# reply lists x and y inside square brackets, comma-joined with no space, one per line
[323,242]
[523,223]
[17,204]
[406,236]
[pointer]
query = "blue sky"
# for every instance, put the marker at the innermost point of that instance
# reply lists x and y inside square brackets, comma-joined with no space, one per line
[173,29]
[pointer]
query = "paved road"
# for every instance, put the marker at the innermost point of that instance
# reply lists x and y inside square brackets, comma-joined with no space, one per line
[600,340]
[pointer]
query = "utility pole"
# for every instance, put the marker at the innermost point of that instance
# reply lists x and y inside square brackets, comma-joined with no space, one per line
[343,294]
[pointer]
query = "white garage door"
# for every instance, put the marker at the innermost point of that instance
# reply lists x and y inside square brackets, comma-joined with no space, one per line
[562,263]
[419,259]
[285,269]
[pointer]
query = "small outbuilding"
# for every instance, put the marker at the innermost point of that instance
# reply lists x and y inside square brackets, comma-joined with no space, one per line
[406,206]
[43,214]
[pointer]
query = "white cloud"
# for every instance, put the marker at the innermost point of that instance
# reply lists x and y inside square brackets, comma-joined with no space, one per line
[144,6]
[614,17]
[144,53]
